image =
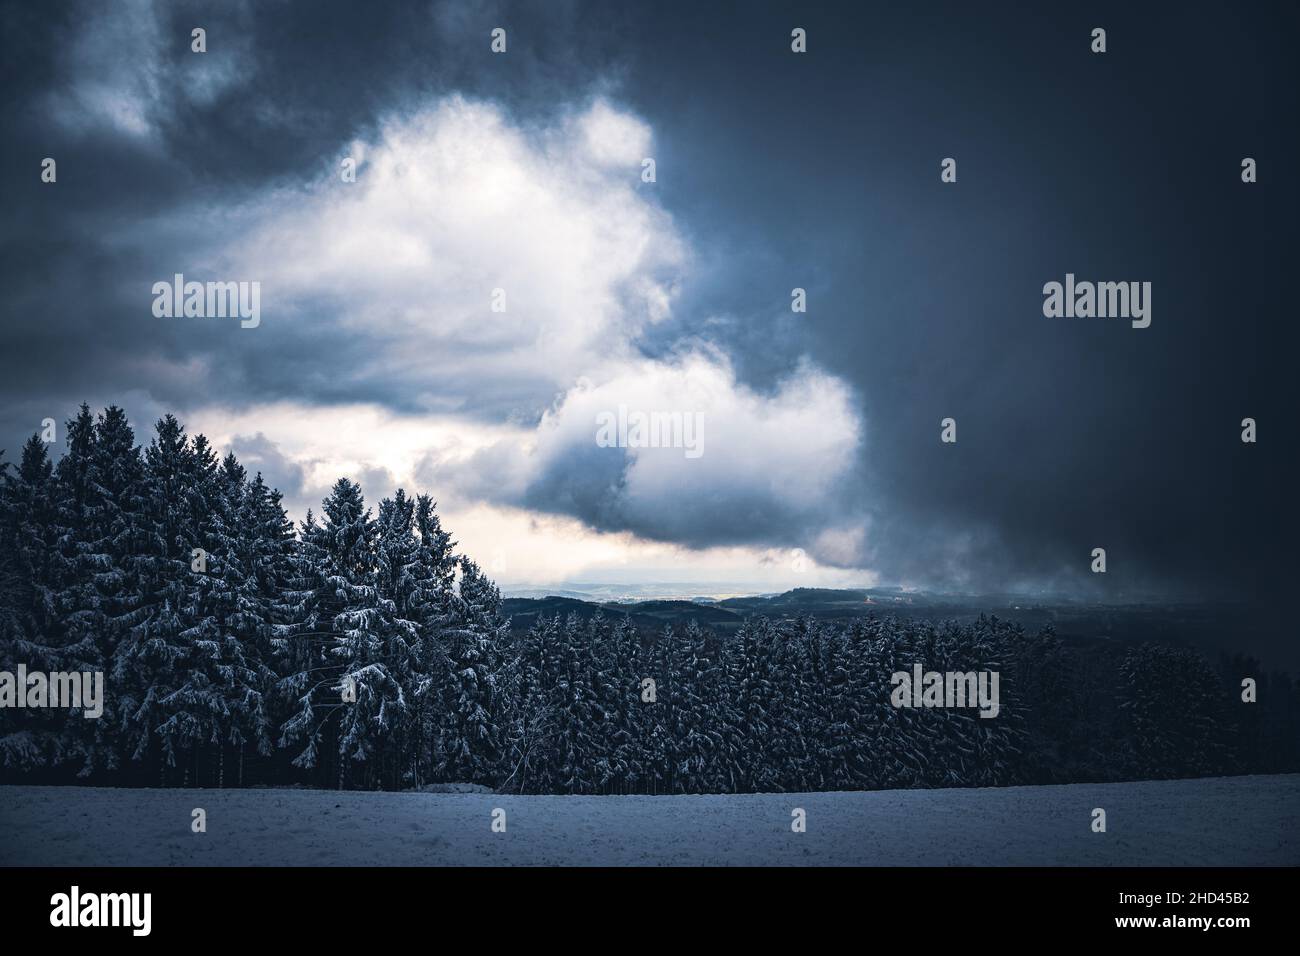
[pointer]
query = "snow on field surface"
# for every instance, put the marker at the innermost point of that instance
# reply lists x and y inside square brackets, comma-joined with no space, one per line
[1224,821]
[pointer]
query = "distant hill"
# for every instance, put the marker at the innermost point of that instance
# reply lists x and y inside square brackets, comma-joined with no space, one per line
[1210,627]
[728,614]
[651,615]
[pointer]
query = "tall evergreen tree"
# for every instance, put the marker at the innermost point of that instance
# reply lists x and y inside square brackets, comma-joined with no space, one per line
[468,657]
[152,653]
[360,644]
[30,629]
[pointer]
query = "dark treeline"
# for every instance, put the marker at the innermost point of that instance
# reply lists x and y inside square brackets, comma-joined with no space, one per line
[360,650]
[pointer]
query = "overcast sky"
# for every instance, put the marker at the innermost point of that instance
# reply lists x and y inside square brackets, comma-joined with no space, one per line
[378,354]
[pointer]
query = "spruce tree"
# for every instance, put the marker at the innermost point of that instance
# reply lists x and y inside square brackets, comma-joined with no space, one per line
[475,710]
[30,630]
[155,605]
[356,643]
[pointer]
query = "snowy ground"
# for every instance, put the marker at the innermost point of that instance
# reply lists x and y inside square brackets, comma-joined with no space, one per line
[1227,821]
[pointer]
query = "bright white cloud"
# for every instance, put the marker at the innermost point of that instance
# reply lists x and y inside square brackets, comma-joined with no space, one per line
[326,443]
[456,200]
[791,447]
[614,138]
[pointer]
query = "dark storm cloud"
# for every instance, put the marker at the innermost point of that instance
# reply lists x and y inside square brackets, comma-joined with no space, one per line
[591,484]
[142,127]
[819,171]
[1073,433]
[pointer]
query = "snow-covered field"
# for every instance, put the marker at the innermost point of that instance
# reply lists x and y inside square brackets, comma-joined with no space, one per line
[1225,821]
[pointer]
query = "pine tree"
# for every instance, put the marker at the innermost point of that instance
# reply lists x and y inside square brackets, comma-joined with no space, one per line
[618,704]
[749,730]
[1173,711]
[300,643]
[790,766]
[221,703]
[531,761]
[409,585]
[357,644]
[471,642]
[82,582]
[577,708]
[155,604]
[429,604]
[691,719]
[30,631]
[94,578]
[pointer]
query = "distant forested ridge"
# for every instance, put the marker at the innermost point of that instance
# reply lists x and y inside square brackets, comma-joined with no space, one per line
[360,650]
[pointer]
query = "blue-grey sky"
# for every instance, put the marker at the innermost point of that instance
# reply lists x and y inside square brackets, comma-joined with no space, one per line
[378,354]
